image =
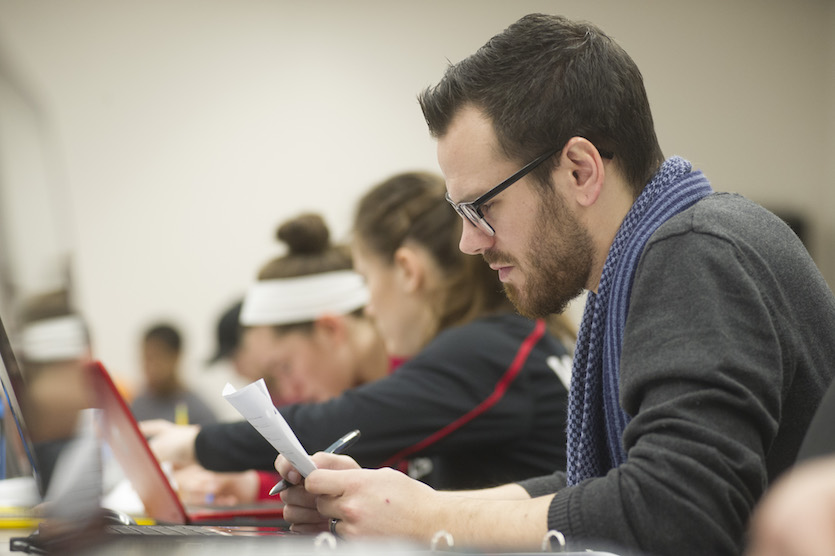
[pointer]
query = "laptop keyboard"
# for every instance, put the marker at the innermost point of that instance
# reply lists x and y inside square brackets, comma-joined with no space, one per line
[180,530]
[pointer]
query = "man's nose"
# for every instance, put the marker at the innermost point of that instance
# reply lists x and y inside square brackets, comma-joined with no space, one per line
[473,240]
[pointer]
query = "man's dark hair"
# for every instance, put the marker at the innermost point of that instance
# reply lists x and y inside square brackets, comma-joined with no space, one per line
[166,334]
[546,79]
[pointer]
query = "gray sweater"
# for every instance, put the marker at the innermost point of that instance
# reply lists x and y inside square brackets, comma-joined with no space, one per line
[728,347]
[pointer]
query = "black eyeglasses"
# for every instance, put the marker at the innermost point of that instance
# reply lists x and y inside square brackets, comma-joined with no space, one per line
[471,211]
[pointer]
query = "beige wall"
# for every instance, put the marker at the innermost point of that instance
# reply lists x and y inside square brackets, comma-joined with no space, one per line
[183,132]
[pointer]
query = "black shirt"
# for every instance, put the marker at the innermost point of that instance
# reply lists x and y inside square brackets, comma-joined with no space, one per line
[482,401]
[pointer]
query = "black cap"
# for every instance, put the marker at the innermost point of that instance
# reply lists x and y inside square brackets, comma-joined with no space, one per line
[228,333]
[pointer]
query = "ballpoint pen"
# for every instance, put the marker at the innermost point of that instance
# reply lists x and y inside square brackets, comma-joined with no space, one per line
[335,448]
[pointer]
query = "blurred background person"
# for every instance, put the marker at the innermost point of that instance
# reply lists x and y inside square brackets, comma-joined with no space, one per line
[164,395]
[226,364]
[228,337]
[476,399]
[307,349]
[309,354]
[54,349]
[796,516]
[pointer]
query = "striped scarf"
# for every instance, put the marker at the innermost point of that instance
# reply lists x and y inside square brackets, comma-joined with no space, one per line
[596,420]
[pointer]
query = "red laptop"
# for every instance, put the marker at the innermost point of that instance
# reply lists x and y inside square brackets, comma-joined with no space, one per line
[147,477]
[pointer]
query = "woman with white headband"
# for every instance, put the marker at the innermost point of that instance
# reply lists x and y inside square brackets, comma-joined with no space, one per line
[53,348]
[477,400]
[303,331]
[303,324]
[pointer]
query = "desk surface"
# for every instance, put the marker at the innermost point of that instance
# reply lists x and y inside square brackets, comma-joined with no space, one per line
[6,535]
[258,546]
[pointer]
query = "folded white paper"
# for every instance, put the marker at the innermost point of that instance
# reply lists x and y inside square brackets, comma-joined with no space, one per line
[253,401]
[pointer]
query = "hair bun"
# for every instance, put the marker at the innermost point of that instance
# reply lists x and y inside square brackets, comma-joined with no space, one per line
[305,234]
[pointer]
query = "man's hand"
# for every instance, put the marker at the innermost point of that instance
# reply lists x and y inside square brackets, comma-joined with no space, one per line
[170,442]
[300,505]
[375,502]
[385,502]
[367,502]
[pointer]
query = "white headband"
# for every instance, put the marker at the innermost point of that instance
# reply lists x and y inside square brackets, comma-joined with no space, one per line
[55,339]
[304,298]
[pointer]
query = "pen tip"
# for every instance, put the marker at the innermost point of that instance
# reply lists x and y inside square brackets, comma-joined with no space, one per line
[279,486]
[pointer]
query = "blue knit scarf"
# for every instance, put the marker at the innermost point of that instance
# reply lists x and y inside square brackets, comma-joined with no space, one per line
[596,420]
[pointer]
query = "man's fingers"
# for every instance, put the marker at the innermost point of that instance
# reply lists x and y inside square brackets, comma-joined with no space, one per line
[298,496]
[332,482]
[286,470]
[302,515]
[325,460]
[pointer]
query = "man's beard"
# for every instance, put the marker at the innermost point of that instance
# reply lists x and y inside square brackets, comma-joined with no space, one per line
[560,256]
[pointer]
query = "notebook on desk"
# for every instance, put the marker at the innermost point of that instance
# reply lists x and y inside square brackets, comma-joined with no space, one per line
[147,477]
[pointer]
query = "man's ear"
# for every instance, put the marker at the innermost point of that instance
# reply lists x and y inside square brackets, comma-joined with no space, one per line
[409,268]
[581,158]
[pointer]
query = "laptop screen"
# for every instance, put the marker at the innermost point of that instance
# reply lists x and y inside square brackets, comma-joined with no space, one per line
[17,450]
[120,431]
